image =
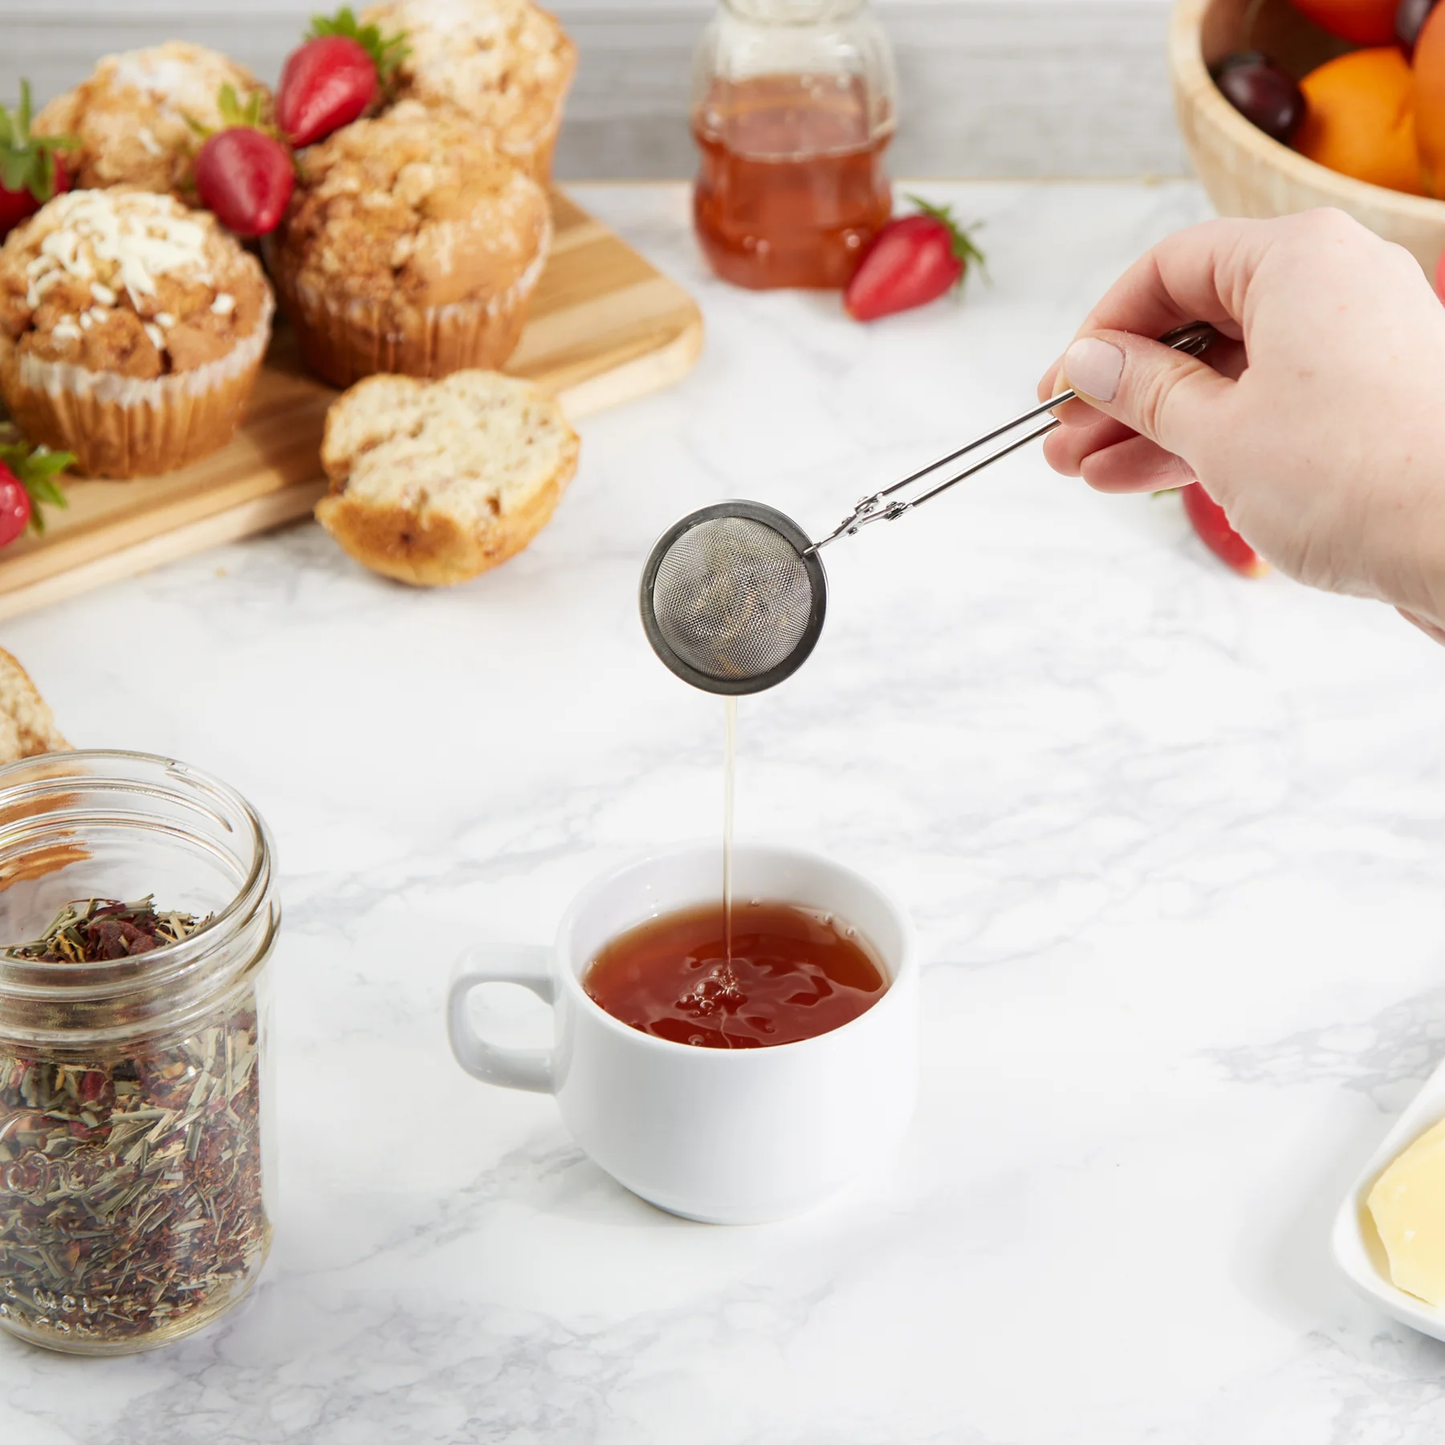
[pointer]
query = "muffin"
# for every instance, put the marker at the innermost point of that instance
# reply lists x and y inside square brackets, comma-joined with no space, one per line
[410,246]
[503,64]
[435,482]
[27,726]
[131,330]
[131,116]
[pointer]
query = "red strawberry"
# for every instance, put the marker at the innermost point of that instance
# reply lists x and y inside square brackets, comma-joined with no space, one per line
[14,507]
[913,260]
[326,84]
[243,175]
[27,479]
[30,171]
[1209,521]
[331,79]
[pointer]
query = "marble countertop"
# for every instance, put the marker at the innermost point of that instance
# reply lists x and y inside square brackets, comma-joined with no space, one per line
[1171,839]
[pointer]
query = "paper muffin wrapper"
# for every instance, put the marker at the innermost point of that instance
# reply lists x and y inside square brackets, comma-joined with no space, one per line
[124,426]
[344,340]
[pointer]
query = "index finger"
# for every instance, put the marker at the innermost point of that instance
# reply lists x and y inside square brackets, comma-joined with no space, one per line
[1199,274]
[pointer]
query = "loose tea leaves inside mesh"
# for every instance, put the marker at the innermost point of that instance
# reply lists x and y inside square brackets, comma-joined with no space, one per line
[130,1182]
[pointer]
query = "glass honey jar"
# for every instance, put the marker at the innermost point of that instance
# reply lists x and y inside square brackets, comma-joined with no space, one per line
[793,105]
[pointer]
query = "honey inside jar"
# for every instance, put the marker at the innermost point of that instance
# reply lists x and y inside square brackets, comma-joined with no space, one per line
[791,185]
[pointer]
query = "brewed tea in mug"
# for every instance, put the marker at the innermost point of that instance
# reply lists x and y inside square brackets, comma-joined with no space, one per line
[791,973]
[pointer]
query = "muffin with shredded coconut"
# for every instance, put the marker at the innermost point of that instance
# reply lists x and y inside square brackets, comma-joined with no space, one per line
[503,65]
[131,330]
[133,115]
[410,246]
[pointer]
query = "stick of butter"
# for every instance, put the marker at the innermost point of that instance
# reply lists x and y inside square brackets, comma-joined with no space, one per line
[1407,1204]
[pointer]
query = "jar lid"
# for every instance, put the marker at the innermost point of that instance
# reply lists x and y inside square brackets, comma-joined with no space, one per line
[794,12]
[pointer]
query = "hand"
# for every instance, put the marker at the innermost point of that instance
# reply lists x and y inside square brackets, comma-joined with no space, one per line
[1318,424]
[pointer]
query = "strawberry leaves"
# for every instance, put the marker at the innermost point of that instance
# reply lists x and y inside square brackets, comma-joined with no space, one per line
[234,115]
[27,162]
[386,51]
[36,469]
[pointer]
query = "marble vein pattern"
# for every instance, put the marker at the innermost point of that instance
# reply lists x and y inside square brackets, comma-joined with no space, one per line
[1173,841]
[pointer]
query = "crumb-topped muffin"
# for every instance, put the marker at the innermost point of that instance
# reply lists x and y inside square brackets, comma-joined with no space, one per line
[503,64]
[433,482]
[131,330]
[410,246]
[131,115]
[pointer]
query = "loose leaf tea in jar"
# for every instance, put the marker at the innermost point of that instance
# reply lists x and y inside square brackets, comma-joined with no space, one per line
[132,1170]
[161,1148]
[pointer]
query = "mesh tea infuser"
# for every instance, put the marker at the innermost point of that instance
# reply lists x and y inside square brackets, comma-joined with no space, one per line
[733,595]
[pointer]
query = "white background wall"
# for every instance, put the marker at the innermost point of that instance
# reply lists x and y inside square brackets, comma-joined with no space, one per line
[989,87]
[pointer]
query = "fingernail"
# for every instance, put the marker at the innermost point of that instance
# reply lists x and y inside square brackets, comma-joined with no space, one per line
[1093,367]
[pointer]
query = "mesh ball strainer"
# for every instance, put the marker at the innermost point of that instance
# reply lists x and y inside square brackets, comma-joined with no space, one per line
[733,596]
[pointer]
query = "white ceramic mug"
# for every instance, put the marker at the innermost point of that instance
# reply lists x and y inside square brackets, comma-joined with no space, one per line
[726,1136]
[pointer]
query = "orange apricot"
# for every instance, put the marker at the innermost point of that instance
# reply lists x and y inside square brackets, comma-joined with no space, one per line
[1430,101]
[1365,22]
[1360,118]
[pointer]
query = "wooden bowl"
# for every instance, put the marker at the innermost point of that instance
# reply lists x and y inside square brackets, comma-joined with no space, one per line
[1245,172]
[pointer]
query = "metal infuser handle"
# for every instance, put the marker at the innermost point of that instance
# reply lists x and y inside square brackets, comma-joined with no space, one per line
[1195,338]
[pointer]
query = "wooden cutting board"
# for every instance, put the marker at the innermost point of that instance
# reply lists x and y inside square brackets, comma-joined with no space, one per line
[604,328]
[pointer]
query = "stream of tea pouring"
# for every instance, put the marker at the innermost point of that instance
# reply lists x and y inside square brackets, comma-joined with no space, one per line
[730,753]
[733,596]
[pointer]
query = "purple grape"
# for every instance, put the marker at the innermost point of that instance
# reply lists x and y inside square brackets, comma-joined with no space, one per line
[1410,17]
[1262,93]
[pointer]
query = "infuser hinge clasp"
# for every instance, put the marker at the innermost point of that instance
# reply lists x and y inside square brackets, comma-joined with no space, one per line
[869,509]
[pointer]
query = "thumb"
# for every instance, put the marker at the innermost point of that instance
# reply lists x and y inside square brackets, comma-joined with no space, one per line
[1165,395]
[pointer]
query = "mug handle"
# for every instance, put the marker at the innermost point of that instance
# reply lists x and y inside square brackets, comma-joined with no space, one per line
[527,964]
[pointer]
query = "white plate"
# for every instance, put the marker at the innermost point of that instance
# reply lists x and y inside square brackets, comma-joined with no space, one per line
[1356,1245]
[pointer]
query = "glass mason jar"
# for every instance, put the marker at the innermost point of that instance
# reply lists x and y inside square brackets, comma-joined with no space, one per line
[135,1178]
[793,104]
